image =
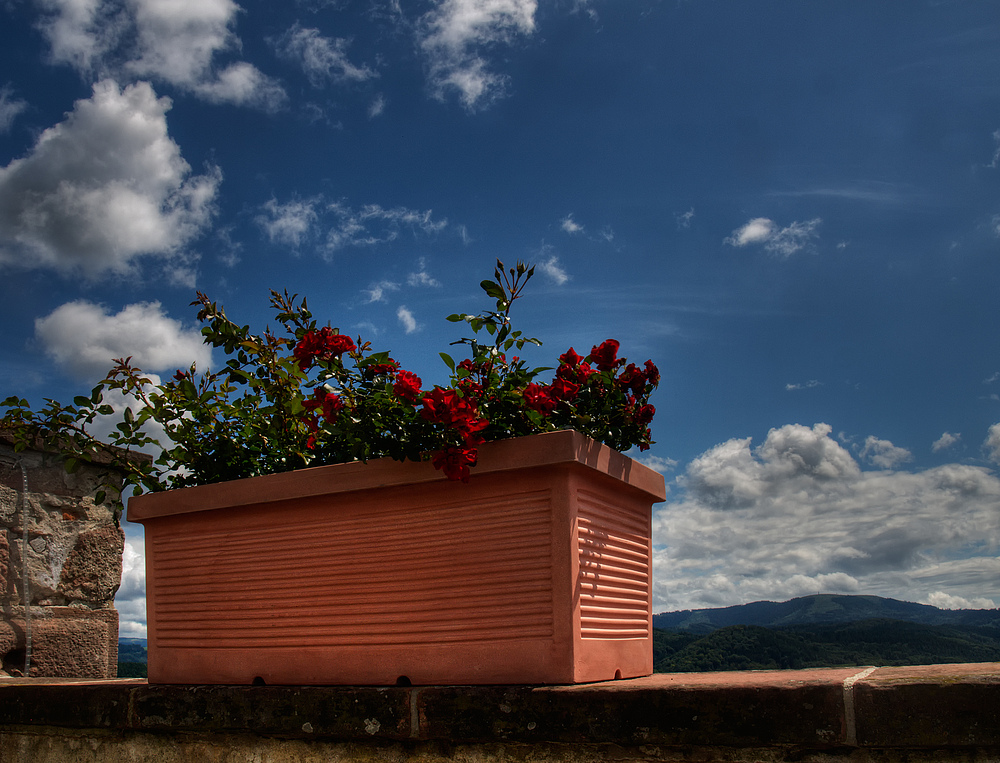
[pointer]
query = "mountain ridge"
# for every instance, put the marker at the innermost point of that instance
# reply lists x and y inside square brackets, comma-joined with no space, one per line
[819,609]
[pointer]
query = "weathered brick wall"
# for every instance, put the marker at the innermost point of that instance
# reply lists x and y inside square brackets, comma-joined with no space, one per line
[74,567]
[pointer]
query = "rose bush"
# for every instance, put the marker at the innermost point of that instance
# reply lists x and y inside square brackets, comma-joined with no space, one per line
[312,395]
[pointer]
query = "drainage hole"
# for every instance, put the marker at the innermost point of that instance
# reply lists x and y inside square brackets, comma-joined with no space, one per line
[403,681]
[258,681]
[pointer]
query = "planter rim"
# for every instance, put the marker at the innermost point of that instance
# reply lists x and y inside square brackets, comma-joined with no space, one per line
[565,447]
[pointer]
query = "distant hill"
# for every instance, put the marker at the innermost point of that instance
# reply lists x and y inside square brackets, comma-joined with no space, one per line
[131,658]
[866,642]
[819,609]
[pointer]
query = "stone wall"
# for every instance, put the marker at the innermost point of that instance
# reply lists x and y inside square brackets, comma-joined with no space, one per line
[927,714]
[74,567]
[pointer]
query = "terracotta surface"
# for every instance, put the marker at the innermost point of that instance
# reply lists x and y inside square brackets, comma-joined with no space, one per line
[386,572]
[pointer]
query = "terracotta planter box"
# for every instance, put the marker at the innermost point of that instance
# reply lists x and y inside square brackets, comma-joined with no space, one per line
[536,571]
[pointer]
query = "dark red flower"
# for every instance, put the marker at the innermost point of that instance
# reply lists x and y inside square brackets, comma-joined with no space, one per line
[645,414]
[605,356]
[539,398]
[322,345]
[564,390]
[389,367]
[632,378]
[570,358]
[652,373]
[407,386]
[330,404]
[455,462]
[447,407]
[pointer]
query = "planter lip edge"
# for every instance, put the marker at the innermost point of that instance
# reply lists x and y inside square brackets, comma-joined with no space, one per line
[564,446]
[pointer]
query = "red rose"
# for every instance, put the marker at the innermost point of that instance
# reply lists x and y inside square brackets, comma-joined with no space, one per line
[323,344]
[570,358]
[632,378]
[455,462]
[407,386]
[606,356]
[330,403]
[445,406]
[539,398]
[652,373]
[564,390]
[645,414]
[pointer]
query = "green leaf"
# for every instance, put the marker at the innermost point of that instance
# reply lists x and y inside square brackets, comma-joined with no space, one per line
[493,289]
[448,361]
[80,401]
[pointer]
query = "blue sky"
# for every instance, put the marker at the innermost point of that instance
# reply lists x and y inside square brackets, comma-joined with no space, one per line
[792,208]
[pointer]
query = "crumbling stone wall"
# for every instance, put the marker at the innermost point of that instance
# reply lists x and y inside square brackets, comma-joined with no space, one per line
[74,567]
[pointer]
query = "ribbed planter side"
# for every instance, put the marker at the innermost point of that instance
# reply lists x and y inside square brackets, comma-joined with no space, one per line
[537,571]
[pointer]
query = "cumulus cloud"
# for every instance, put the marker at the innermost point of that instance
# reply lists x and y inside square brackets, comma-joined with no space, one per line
[288,224]
[779,241]
[175,42]
[406,318]
[883,453]
[323,59]
[130,600]
[10,108]
[454,36]
[84,338]
[942,600]
[798,515]
[103,187]
[992,443]
[945,441]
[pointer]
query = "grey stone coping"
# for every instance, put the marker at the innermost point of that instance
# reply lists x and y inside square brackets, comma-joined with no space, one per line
[924,707]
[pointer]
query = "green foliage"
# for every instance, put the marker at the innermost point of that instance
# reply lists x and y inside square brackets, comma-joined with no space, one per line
[867,642]
[309,395]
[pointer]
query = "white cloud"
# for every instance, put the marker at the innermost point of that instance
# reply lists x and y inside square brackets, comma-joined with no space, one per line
[684,220]
[80,32]
[290,223]
[10,108]
[883,453]
[377,106]
[454,36]
[377,291]
[569,225]
[811,384]
[945,441]
[422,277]
[373,224]
[323,59]
[406,318]
[798,515]
[176,42]
[942,600]
[84,338]
[103,187]
[992,443]
[554,270]
[130,600]
[779,241]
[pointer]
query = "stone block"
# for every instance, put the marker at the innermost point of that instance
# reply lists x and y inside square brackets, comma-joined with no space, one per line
[65,642]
